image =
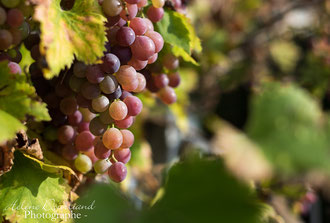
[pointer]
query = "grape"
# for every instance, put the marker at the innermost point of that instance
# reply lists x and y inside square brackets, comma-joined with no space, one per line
[101,166]
[111,34]
[3,16]
[87,115]
[15,18]
[35,52]
[112,138]
[83,126]
[84,141]
[14,68]
[68,105]
[121,22]
[90,91]
[79,69]
[96,127]
[132,1]
[137,64]
[142,3]
[174,79]
[66,134]
[25,30]
[69,152]
[157,39]
[149,24]
[155,14]
[167,95]
[139,26]
[105,118]
[158,3]
[161,80]
[142,82]
[125,123]
[100,104]
[6,39]
[115,95]
[125,36]
[10,3]
[57,117]
[143,48]
[109,84]
[83,163]
[75,118]
[170,62]
[177,3]
[125,94]
[110,64]
[123,53]
[128,138]
[101,151]
[134,105]
[127,77]
[153,59]
[122,155]
[131,12]
[75,83]
[111,7]
[94,74]
[112,20]
[34,70]
[61,90]
[82,101]
[17,35]
[118,110]
[91,155]
[117,172]
[31,41]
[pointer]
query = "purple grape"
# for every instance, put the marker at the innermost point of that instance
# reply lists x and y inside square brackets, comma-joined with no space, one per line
[75,118]
[66,134]
[110,64]
[134,105]
[100,151]
[14,68]
[94,74]
[122,155]
[123,53]
[117,172]
[69,152]
[84,141]
[96,127]
[125,36]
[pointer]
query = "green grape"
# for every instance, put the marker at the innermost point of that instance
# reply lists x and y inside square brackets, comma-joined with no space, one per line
[101,166]
[83,163]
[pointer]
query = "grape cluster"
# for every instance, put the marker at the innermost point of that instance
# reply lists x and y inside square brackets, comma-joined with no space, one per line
[13,29]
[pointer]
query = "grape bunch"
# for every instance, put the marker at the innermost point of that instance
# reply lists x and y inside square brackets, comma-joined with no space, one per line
[92,106]
[13,29]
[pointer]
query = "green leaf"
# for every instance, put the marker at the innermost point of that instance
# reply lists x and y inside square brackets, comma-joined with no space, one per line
[178,32]
[78,32]
[201,190]
[28,186]
[9,126]
[286,122]
[18,98]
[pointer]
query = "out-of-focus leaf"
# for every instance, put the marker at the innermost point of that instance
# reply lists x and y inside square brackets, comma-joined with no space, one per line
[78,32]
[285,54]
[28,186]
[201,190]
[9,126]
[286,122]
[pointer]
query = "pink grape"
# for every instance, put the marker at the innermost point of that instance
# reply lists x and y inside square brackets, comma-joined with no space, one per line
[134,105]
[84,141]
[143,48]
[139,26]
[112,138]
[161,80]
[142,3]
[167,95]
[75,118]
[125,123]
[149,24]
[68,105]
[122,155]
[155,14]
[131,12]
[157,39]
[128,138]
[118,110]
[127,77]
[153,58]
[66,134]
[142,82]
[137,64]
[100,151]
[69,152]
[170,61]
[174,79]
[117,172]
[125,36]
[132,1]
[83,126]
[14,68]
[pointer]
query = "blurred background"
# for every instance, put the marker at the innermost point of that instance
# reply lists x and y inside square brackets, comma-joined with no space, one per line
[251,125]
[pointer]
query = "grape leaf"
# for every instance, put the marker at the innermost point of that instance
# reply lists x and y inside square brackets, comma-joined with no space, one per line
[9,126]
[28,186]
[286,122]
[18,98]
[78,32]
[177,31]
